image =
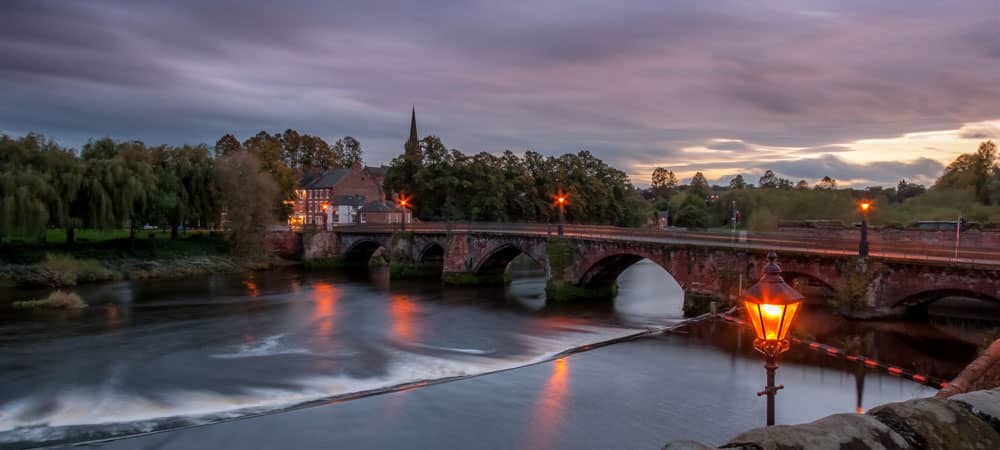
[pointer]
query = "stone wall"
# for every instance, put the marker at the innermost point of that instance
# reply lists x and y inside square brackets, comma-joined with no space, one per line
[319,245]
[284,243]
[970,420]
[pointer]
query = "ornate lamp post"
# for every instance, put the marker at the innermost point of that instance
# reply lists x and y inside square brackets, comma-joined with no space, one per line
[561,200]
[771,305]
[865,206]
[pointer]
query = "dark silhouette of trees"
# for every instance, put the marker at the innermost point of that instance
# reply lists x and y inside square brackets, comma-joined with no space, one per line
[737,182]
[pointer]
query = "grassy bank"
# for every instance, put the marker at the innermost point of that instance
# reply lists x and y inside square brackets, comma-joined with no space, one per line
[116,259]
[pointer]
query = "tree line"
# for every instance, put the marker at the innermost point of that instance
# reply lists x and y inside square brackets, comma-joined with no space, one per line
[969,186]
[446,184]
[110,184]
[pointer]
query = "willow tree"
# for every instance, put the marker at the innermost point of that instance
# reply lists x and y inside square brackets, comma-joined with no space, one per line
[248,195]
[26,187]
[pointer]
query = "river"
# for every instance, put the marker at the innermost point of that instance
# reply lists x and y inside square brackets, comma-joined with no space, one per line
[273,359]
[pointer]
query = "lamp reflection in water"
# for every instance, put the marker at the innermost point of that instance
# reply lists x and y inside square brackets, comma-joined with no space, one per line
[403,314]
[251,285]
[771,305]
[325,298]
[550,408]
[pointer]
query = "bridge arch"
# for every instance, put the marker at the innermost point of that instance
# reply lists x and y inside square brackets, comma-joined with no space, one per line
[606,271]
[496,260]
[926,297]
[432,253]
[810,285]
[361,251]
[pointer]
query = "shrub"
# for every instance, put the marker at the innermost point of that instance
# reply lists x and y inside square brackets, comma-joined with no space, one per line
[55,300]
[64,270]
[762,220]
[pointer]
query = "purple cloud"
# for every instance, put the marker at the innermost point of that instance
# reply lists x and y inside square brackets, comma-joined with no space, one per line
[634,83]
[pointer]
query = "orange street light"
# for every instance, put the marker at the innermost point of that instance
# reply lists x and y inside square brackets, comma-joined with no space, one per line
[561,200]
[771,305]
[403,203]
[865,206]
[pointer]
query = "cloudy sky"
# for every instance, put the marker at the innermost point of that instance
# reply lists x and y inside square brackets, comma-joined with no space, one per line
[864,91]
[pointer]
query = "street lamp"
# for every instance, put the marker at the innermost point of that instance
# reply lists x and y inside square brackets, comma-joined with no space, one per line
[402,204]
[771,305]
[561,200]
[865,206]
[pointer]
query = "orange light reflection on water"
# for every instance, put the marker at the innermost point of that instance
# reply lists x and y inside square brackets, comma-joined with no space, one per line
[325,298]
[403,314]
[251,285]
[549,413]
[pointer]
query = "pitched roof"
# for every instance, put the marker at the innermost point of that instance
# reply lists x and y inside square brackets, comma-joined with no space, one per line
[347,200]
[376,171]
[328,179]
[380,207]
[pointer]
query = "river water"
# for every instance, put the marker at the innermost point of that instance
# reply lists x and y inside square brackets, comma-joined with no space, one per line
[281,350]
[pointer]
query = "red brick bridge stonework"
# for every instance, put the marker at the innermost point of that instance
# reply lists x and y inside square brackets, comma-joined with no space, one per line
[581,268]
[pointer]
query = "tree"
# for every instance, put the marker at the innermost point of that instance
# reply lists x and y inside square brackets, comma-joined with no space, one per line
[737,182]
[269,152]
[906,190]
[226,145]
[827,183]
[664,182]
[25,191]
[320,153]
[768,180]
[248,195]
[972,171]
[802,185]
[293,153]
[352,152]
[699,185]
[693,213]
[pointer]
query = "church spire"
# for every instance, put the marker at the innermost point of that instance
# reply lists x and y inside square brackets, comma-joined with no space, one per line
[413,126]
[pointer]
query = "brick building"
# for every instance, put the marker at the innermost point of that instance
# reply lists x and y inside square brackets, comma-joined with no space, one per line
[352,195]
[384,212]
[334,196]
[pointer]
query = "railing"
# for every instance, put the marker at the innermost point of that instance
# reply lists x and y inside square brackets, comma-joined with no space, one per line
[742,240]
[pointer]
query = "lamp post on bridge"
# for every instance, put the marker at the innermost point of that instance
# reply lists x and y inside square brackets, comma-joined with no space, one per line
[561,200]
[403,202]
[865,206]
[771,305]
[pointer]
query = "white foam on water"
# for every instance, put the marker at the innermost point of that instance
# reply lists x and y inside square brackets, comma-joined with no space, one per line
[108,407]
[269,346]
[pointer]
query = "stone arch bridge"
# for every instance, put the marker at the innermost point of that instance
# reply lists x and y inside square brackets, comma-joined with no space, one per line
[586,262]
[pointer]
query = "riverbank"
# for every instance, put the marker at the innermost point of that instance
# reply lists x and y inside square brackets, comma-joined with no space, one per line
[62,265]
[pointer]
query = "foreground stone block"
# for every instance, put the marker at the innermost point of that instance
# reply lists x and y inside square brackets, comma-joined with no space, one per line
[985,404]
[839,431]
[933,423]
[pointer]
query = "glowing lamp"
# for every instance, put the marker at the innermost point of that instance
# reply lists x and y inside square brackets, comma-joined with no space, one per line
[865,206]
[561,199]
[771,305]
[402,203]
